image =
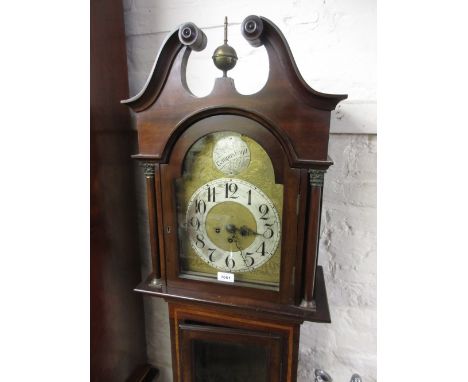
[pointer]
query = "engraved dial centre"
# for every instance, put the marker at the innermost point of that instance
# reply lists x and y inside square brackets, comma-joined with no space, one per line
[231,226]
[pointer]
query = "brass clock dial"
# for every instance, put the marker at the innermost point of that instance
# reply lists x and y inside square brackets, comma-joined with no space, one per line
[233,226]
[230,211]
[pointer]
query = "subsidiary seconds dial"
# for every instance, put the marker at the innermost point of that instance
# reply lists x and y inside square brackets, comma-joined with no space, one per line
[232,225]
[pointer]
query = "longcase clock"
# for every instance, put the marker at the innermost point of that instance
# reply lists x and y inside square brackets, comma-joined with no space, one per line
[234,188]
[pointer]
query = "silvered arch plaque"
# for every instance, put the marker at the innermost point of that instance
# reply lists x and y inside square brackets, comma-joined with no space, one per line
[231,155]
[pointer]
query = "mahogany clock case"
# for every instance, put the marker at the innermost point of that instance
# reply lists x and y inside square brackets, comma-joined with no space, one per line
[291,122]
[289,119]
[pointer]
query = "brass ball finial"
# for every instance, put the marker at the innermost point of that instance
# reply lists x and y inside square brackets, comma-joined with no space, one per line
[224,56]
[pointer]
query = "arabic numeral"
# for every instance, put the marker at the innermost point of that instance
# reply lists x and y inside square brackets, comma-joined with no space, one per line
[200,241]
[249,260]
[200,206]
[231,190]
[268,234]
[211,194]
[195,223]
[263,209]
[261,249]
[211,256]
[230,263]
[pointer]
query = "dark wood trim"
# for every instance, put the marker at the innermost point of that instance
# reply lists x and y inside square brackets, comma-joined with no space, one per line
[313,236]
[302,209]
[163,63]
[161,68]
[267,310]
[160,221]
[318,240]
[144,373]
[152,219]
[190,332]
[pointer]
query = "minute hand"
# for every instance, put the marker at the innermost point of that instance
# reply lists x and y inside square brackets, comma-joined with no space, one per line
[246,231]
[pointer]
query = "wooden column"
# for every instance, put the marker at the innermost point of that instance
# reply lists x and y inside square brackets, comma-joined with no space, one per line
[316,177]
[149,169]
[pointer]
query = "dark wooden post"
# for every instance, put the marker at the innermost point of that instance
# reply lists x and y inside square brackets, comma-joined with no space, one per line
[117,332]
[149,169]
[316,177]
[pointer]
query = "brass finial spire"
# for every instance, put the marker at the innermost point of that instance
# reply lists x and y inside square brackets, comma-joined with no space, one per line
[225,29]
[225,57]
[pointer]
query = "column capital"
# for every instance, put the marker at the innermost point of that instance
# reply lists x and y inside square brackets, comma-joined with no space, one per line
[148,168]
[316,177]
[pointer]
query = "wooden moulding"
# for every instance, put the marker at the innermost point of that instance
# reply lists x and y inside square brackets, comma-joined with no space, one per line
[295,313]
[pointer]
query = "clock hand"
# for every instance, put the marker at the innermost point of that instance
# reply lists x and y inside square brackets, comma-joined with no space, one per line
[245,231]
[240,250]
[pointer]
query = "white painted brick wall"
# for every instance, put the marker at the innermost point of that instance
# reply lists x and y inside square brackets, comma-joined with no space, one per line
[334,44]
[348,255]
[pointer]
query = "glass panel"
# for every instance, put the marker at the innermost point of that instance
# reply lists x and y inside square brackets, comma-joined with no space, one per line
[229,211]
[229,362]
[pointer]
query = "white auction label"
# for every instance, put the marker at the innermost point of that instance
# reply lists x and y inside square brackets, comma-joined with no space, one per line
[226,277]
